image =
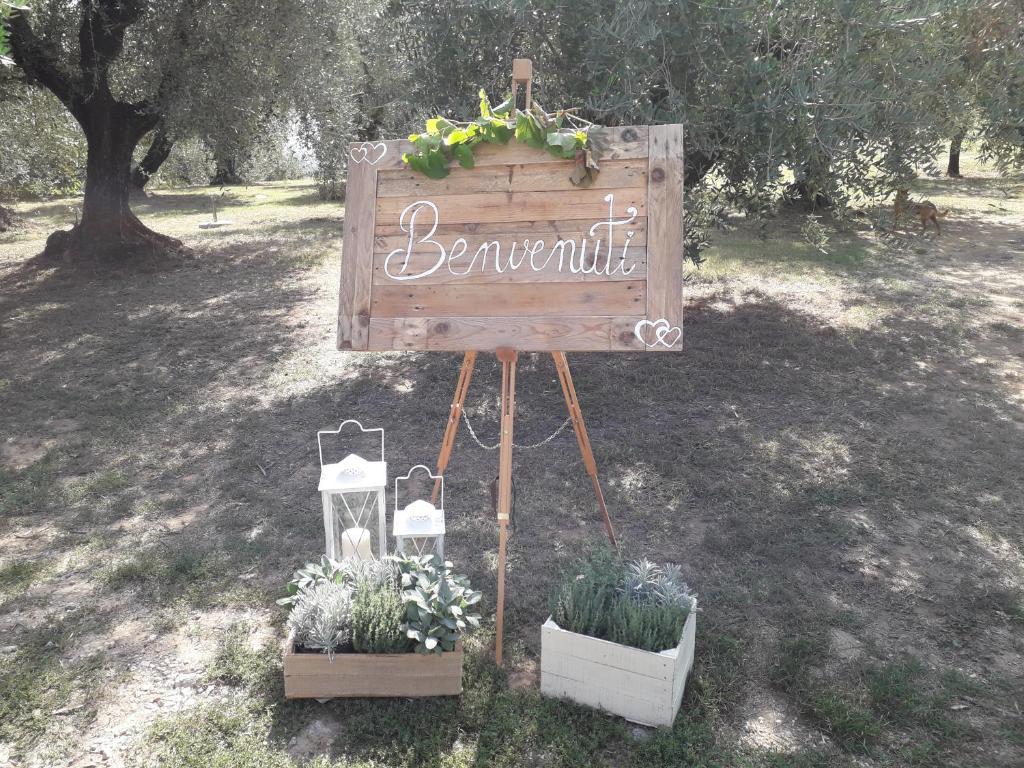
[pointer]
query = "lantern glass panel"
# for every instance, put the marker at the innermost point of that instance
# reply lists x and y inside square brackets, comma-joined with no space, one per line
[355,516]
[354,521]
[419,528]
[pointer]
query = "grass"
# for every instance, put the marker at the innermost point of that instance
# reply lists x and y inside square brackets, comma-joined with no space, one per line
[19,575]
[860,704]
[837,449]
[41,697]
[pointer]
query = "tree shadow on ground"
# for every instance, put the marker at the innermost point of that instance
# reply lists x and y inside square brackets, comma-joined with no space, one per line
[801,473]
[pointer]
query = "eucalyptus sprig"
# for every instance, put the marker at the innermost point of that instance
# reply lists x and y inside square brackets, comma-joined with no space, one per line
[561,134]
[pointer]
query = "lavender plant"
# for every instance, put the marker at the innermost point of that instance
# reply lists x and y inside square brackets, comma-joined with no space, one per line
[638,603]
[321,617]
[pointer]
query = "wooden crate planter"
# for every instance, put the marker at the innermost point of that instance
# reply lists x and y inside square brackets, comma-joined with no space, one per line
[641,686]
[316,676]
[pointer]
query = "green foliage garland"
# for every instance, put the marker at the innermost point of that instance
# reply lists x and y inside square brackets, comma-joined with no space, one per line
[443,141]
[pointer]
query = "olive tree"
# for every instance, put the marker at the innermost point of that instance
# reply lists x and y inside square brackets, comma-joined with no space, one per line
[124,68]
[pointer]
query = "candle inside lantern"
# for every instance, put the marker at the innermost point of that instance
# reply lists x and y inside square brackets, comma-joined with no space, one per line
[355,542]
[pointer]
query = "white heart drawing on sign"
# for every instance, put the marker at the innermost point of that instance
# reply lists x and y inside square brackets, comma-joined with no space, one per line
[369,153]
[664,332]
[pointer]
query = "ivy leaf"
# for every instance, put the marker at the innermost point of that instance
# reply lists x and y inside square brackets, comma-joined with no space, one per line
[504,108]
[439,126]
[579,176]
[497,132]
[437,165]
[522,128]
[562,144]
[464,155]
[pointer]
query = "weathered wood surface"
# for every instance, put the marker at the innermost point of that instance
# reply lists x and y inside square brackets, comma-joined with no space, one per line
[622,143]
[641,686]
[610,297]
[494,255]
[665,231]
[521,177]
[538,334]
[390,236]
[490,207]
[629,264]
[316,676]
[357,266]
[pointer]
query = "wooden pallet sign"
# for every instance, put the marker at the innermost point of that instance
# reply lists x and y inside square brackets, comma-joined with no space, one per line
[511,254]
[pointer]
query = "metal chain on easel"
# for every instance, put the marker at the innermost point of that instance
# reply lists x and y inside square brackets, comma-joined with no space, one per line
[495,447]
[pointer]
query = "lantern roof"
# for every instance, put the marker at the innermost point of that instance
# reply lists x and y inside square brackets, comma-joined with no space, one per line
[354,473]
[420,518]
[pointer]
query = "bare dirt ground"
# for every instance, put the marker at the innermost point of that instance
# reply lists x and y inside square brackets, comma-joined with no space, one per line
[835,459]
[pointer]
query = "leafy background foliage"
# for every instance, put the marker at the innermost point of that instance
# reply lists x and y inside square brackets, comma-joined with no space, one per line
[817,103]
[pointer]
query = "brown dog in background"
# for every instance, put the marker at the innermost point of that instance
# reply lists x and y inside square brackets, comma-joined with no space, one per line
[925,211]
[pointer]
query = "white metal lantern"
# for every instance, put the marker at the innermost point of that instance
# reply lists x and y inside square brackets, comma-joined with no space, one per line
[419,525]
[353,493]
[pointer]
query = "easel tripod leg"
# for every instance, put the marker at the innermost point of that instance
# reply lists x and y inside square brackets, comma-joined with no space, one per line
[508,359]
[452,427]
[582,438]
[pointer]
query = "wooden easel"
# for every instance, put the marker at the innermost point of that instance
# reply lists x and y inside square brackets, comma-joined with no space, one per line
[509,358]
[522,75]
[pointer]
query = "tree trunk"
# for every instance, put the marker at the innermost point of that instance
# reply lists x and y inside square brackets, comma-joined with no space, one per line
[953,167]
[159,150]
[226,174]
[108,230]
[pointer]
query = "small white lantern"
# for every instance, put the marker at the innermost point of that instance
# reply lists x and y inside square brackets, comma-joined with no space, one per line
[352,491]
[419,524]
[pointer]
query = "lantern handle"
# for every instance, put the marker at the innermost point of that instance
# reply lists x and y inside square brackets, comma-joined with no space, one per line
[430,474]
[320,445]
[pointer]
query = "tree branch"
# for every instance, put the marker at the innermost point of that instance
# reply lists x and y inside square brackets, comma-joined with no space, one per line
[101,33]
[31,55]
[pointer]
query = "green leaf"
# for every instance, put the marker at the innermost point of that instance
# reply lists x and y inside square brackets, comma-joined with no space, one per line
[464,155]
[439,126]
[437,165]
[504,108]
[485,104]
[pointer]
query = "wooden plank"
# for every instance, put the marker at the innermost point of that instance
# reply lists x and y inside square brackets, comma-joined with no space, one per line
[626,297]
[521,177]
[622,333]
[665,238]
[628,264]
[558,641]
[357,263]
[389,235]
[457,334]
[315,675]
[628,703]
[621,142]
[641,686]
[516,206]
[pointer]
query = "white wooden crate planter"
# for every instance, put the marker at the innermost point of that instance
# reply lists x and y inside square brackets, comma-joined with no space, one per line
[643,687]
[317,676]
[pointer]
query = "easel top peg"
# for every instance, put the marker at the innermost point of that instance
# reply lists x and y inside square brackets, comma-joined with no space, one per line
[522,74]
[522,69]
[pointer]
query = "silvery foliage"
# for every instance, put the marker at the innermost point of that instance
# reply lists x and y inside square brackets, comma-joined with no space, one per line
[355,574]
[321,617]
[646,582]
[370,575]
[439,604]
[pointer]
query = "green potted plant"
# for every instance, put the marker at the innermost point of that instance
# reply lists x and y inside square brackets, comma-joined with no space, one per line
[620,638]
[389,627]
